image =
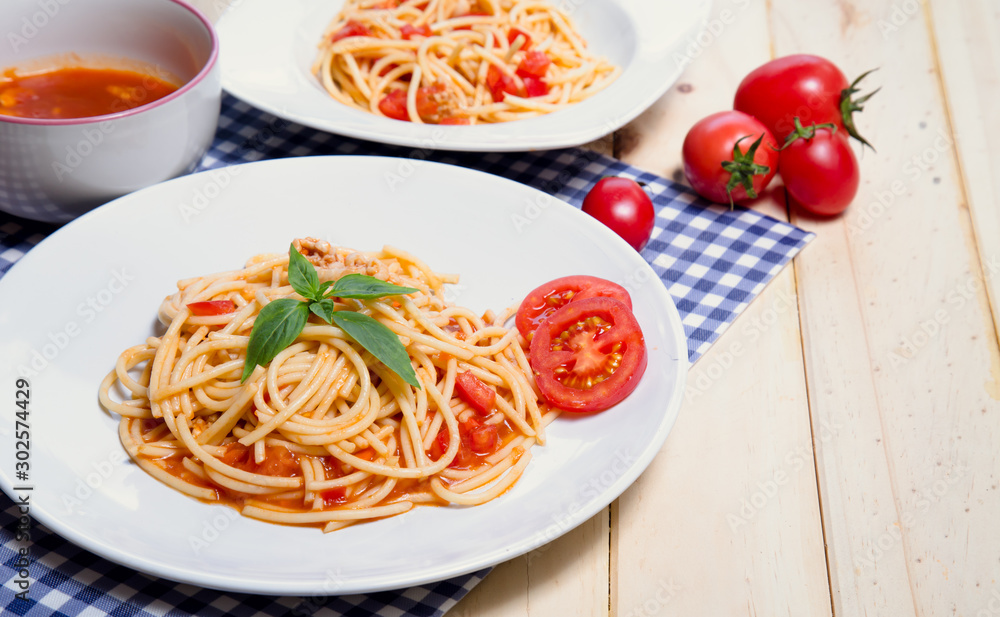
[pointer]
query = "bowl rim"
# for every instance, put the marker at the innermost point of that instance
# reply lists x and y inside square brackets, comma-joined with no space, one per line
[191,83]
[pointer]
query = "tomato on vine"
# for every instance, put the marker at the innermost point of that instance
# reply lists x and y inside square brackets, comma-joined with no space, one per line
[819,169]
[804,86]
[730,157]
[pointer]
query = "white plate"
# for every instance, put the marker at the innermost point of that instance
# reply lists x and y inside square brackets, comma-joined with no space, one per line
[267,50]
[92,289]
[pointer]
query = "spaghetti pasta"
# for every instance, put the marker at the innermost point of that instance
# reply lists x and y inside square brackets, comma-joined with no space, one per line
[326,435]
[458,61]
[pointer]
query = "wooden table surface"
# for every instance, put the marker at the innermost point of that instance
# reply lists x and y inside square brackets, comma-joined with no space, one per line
[838,451]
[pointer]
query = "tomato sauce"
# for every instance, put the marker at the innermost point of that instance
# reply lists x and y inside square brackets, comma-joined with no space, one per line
[78,92]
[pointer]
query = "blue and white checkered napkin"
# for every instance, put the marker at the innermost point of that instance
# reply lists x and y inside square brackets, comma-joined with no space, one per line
[712,260]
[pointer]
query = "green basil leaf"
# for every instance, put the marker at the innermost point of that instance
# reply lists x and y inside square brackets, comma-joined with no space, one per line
[302,275]
[367,288]
[324,287]
[276,327]
[382,342]
[323,309]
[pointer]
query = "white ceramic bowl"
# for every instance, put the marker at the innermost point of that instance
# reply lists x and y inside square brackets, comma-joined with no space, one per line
[55,170]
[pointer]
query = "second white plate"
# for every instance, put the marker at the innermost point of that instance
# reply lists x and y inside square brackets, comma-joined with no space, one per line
[267,49]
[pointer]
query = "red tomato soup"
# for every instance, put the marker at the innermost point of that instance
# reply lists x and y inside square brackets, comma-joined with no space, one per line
[78,92]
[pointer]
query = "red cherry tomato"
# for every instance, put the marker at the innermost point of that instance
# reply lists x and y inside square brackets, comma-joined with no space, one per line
[212,307]
[548,298]
[588,356]
[477,394]
[622,205]
[820,171]
[804,86]
[716,170]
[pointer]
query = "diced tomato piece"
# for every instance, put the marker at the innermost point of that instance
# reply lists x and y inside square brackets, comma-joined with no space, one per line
[453,120]
[534,64]
[333,496]
[501,84]
[535,86]
[409,31]
[393,105]
[483,439]
[477,394]
[516,32]
[353,27]
[212,307]
[428,100]
[440,446]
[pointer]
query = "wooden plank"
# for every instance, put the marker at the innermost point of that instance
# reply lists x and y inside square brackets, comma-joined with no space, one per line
[968,45]
[726,520]
[568,576]
[899,344]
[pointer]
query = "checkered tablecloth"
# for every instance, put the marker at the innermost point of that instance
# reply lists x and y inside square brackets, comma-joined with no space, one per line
[713,261]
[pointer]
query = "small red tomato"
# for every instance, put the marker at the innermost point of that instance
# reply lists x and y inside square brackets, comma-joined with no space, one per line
[804,86]
[622,205]
[819,169]
[729,157]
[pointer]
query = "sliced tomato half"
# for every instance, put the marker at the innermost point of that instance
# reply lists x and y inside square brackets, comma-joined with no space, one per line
[546,299]
[588,355]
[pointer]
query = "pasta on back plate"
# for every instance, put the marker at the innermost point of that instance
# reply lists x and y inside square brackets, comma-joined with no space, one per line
[458,61]
[325,434]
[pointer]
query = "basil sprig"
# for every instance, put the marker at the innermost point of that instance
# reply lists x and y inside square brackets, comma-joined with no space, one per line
[281,321]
